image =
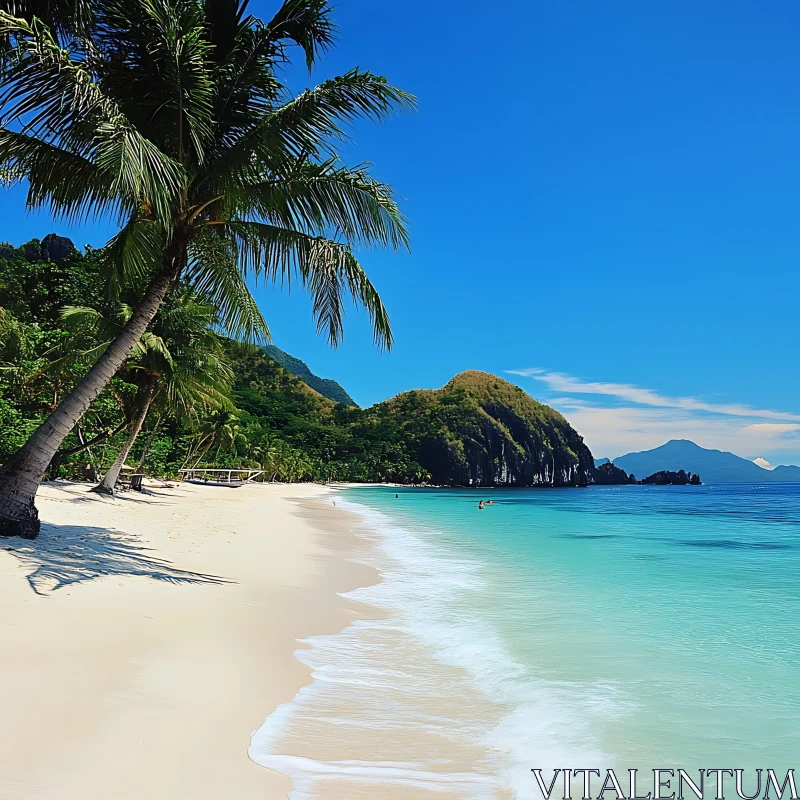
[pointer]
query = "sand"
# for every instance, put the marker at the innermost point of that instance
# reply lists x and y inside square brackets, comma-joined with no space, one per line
[144,638]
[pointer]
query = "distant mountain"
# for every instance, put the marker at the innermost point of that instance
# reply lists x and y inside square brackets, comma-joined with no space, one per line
[714,466]
[787,473]
[598,462]
[325,386]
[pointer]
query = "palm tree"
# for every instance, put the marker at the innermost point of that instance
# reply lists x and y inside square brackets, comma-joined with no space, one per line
[15,340]
[221,430]
[170,114]
[178,364]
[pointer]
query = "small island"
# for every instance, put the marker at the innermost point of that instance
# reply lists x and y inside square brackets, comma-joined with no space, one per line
[609,475]
[667,478]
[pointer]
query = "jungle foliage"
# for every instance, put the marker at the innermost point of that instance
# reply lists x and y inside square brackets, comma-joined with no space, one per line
[267,418]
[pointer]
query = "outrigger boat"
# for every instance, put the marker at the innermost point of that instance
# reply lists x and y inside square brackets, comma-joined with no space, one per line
[220,477]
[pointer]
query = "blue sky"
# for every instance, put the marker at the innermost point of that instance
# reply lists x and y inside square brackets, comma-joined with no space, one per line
[604,208]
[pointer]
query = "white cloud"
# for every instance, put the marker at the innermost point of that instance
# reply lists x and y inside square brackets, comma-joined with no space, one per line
[568,384]
[774,428]
[642,418]
[762,462]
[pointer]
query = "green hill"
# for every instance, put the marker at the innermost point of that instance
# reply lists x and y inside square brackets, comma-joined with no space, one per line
[476,430]
[482,430]
[325,386]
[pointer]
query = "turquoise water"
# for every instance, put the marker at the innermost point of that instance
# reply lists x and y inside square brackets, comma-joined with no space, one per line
[607,627]
[678,606]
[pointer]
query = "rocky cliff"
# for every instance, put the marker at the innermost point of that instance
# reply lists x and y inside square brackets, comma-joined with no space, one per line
[480,430]
[56,248]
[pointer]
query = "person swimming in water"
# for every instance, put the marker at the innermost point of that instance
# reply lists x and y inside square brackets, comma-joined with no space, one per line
[480,505]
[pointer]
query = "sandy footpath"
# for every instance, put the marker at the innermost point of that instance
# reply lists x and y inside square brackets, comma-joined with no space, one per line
[144,638]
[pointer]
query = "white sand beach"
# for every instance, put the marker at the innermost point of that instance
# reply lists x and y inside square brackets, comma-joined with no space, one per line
[145,637]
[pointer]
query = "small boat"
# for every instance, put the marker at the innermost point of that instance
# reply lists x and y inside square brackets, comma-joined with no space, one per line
[220,477]
[210,482]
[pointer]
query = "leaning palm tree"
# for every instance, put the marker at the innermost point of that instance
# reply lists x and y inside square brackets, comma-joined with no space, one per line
[171,115]
[178,365]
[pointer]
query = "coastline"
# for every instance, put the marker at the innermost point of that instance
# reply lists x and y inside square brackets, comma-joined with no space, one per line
[392,708]
[177,644]
[147,637]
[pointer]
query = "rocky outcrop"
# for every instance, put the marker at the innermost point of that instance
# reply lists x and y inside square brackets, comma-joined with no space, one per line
[609,475]
[668,478]
[56,248]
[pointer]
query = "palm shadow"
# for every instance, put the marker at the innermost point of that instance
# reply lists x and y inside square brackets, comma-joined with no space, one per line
[64,555]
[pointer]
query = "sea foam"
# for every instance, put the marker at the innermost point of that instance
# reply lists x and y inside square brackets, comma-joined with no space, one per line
[435,671]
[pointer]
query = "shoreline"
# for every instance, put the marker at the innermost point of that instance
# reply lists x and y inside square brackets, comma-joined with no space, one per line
[393,709]
[149,636]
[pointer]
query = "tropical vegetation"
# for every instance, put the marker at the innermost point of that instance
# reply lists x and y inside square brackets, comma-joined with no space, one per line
[478,429]
[186,396]
[172,117]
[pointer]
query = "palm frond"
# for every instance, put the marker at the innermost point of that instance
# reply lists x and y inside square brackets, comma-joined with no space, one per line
[76,318]
[69,354]
[152,345]
[57,100]
[306,126]
[177,40]
[65,17]
[307,23]
[319,198]
[69,184]
[327,269]
[246,83]
[133,254]
[200,383]
[367,296]
[214,273]
[307,122]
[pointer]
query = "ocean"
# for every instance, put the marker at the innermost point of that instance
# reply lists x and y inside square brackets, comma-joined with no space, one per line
[608,627]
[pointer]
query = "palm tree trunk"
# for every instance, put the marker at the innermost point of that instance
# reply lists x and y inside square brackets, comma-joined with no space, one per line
[92,463]
[21,474]
[148,444]
[59,457]
[109,482]
[203,454]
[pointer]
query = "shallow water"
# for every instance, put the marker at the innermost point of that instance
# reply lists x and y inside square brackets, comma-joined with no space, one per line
[607,627]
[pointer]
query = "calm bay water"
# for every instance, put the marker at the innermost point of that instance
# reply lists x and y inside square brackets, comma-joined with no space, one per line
[607,627]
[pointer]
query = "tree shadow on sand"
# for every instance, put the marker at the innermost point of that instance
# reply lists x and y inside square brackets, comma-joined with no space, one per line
[68,554]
